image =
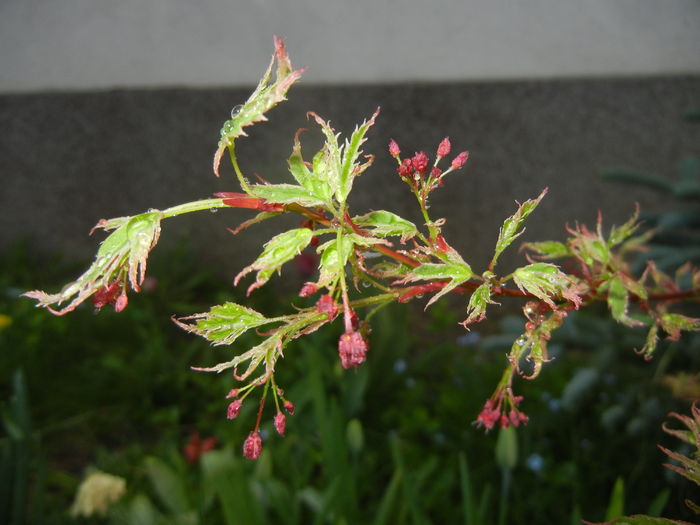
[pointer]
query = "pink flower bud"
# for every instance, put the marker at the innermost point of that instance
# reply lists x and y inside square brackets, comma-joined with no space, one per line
[394,150]
[308,289]
[406,168]
[352,349]
[289,406]
[460,160]
[420,161]
[444,148]
[435,172]
[234,408]
[252,447]
[280,423]
[326,305]
[505,423]
[121,302]
[232,393]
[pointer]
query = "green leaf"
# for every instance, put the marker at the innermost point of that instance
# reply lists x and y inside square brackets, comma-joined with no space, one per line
[278,250]
[350,169]
[457,273]
[315,182]
[618,301]
[545,281]
[167,485]
[223,324]
[123,253]
[639,179]
[622,232]
[334,257]
[650,343]
[616,506]
[512,227]
[476,309]
[385,224]
[673,324]
[332,157]
[507,448]
[286,194]
[548,249]
[266,96]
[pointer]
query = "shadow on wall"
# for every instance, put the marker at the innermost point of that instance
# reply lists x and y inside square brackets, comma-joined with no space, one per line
[71,159]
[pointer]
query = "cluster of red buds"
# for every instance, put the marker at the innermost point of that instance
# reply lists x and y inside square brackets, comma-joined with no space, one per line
[418,172]
[252,446]
[501,409]
[113,293]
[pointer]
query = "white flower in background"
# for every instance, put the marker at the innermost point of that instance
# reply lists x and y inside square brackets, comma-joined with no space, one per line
[96,493]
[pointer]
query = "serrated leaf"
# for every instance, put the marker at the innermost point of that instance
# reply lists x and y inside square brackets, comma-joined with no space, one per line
[621,233]
[334,257]
[479,300]
[385,224]
[545,281]
[333,155]
[286,194]
[349,168]
[266,95]
[254,356]
[457,273]
[278,250]
[618,301]
[512,227]
[651,341]
[224,323]
[124,252]
[548,249]
[673,324]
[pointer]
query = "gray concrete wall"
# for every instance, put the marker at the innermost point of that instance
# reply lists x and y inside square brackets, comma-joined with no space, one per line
[83,44]
[68,159]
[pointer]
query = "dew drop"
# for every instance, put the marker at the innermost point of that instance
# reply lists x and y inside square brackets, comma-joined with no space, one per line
[236,110]
[365,284]
[213,210]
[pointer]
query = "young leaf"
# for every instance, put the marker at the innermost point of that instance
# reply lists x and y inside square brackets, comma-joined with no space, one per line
[457,273]
[122,255]
[385,224]
[350,169]
[651,341]
[476,309]
[621,233]
[512,227]
[673,324]
[224,323]
[265,97]
[618,301]
[545,281]
[278,250]
[286,194]
[334,257]
[548,249]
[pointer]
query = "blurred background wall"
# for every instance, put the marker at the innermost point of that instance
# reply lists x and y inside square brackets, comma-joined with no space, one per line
[111,108]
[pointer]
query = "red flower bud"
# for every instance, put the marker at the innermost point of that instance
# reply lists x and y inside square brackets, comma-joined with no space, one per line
[326,305]
[106,295]
[420,161]
[234,408]
[289,406]
[232,393]
[460,160]
[308,289]
[435,172]
[121,302]
[394,150]
[406,168]
[280,423]
[252,447]
[352,349]
[444,148]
